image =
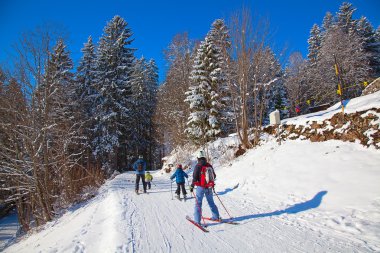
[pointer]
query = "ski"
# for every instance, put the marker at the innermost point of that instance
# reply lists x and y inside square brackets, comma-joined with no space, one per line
[222,221]
[138,193]
[196,224]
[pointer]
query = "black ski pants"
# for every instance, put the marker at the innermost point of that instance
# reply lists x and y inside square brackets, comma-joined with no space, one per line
[138,176]
[179,187]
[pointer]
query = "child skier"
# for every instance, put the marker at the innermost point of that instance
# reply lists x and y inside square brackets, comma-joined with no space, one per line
[148,179]
[180,175]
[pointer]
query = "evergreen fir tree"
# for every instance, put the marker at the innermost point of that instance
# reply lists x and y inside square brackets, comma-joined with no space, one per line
[113,83]
[57,116]
[60,81]
[197,122]
[203,97]
[85,92]
[139,112]
[314,42]
[279,99]
[219,36]
[328,21]
[152,87]
[144,85]
[344,17]
[371,44]
[86,77]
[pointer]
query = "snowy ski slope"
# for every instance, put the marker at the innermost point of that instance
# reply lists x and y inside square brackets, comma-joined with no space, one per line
[295,197]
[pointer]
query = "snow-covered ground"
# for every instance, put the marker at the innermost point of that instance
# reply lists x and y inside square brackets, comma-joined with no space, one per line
[300,196]
[295,197]
[351,106]
[8,229]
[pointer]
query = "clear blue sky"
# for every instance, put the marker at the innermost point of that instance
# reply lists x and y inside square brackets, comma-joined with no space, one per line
[155,22]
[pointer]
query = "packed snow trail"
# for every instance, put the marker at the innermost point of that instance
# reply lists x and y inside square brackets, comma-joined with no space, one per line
[297,197]
[118,220]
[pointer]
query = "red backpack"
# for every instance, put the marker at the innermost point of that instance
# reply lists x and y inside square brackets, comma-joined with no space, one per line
[207,177]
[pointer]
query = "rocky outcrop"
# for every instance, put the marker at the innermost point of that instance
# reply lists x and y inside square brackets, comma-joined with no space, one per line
[372,87]
[360,127]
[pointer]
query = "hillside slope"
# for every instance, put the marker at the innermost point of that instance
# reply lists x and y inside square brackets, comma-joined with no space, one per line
[300,196]
[326,199]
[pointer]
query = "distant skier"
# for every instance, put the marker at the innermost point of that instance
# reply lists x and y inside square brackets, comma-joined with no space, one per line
[298,109]
[148,179]
[140,166]
[203,178]
[179,176]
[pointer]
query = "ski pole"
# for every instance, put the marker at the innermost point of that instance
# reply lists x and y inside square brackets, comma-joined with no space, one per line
[199,209]
[222,203]
[171,186]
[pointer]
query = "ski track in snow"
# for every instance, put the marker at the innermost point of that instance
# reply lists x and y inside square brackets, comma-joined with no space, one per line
[266,190]
[118,220]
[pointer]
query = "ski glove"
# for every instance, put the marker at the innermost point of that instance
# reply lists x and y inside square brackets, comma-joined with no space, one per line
[191,188]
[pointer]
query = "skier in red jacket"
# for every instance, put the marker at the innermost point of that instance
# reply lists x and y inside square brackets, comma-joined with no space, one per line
[203,178]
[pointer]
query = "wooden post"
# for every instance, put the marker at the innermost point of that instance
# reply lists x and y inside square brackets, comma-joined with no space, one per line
[340,82]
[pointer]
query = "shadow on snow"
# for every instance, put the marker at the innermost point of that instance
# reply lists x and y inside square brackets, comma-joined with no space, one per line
[297,208]
[227,190]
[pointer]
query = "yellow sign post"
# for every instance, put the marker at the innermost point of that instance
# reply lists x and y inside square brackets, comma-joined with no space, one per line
[340,81]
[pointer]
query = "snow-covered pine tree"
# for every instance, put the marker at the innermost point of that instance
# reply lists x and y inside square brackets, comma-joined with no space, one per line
[113,83]
[281,102]
[203,97]
[196,97]
[344,18]
[351,42]
[314,41]
[59,129]
[137,139]
[349,52]
[86,95]
[377,43]
[219,36]
[144,86]
[371,44]
[328,21]
[377,33]
[278,100]
[198,117]
[152,87]
[60,80]
[86,76]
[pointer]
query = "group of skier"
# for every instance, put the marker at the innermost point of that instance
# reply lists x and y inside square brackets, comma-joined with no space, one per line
[140,166]
[203,180]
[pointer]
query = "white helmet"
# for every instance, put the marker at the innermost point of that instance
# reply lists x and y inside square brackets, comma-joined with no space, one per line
[201,154]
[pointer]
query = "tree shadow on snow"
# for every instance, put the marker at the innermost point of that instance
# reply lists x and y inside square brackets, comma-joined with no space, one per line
[297,208]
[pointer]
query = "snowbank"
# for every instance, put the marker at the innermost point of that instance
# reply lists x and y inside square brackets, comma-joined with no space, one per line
[351,106]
